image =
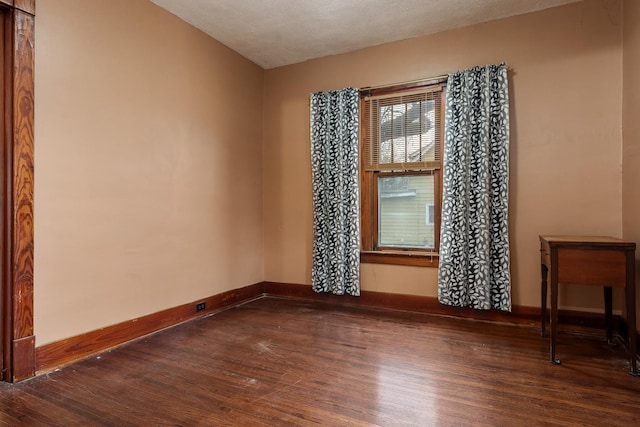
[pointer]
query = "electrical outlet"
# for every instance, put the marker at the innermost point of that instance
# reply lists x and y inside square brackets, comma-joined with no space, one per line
[201,306]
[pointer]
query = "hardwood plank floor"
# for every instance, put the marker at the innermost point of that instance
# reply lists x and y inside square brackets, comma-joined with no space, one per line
[288,362]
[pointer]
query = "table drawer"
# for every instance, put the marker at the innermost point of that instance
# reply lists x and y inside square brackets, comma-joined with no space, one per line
[592,267]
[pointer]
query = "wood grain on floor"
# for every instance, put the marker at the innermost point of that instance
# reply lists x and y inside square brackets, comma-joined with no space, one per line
[289,362]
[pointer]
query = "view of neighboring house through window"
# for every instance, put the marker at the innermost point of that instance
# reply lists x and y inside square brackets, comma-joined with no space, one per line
[401,168]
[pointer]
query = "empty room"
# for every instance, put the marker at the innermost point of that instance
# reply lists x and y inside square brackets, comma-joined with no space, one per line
[337,213]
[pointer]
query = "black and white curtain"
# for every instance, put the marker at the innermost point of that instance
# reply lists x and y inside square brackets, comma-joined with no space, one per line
[334,172]
[474,260]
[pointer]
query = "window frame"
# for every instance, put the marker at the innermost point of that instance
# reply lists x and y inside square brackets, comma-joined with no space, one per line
[370,251]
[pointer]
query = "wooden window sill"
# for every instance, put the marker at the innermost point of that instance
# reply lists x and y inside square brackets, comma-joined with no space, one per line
[411,258]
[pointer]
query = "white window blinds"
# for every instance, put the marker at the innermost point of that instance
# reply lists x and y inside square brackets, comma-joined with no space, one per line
[402,131]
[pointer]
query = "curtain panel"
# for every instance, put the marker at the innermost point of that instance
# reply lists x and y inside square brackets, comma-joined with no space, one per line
[474,265]
[335,175]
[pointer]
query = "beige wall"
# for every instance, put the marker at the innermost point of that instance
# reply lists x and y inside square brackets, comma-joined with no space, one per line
[148,161]
[631,131]
[566,97]
[143,125]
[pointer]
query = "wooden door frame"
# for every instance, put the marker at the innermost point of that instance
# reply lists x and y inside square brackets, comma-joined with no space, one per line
[17,334]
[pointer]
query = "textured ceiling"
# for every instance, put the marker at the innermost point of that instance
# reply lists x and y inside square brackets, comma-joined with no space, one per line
[273,33]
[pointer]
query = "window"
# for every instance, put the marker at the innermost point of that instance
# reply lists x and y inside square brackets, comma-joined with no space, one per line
[401,173]
[430,214]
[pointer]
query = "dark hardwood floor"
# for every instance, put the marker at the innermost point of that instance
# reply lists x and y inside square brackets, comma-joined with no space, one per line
[288,362]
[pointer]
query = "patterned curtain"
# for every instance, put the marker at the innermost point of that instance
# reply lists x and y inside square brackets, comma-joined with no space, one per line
[474,243]
[334,171]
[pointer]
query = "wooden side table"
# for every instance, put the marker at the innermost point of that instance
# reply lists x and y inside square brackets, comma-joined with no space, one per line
[590,260]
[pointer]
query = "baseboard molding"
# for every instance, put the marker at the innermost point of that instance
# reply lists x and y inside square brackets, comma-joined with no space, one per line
[60,353]
[430,305]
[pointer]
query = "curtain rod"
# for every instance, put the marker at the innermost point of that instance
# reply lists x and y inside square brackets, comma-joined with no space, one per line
[434,79]
[428,79]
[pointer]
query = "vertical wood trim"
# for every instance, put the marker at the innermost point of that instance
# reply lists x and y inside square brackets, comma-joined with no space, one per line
[24,356]
[23,104]
[18,148]
[5,210]
[28,6]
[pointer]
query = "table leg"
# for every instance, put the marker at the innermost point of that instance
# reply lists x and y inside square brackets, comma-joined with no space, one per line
[543,304]
[608,313]
[630,297]
[554,307]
